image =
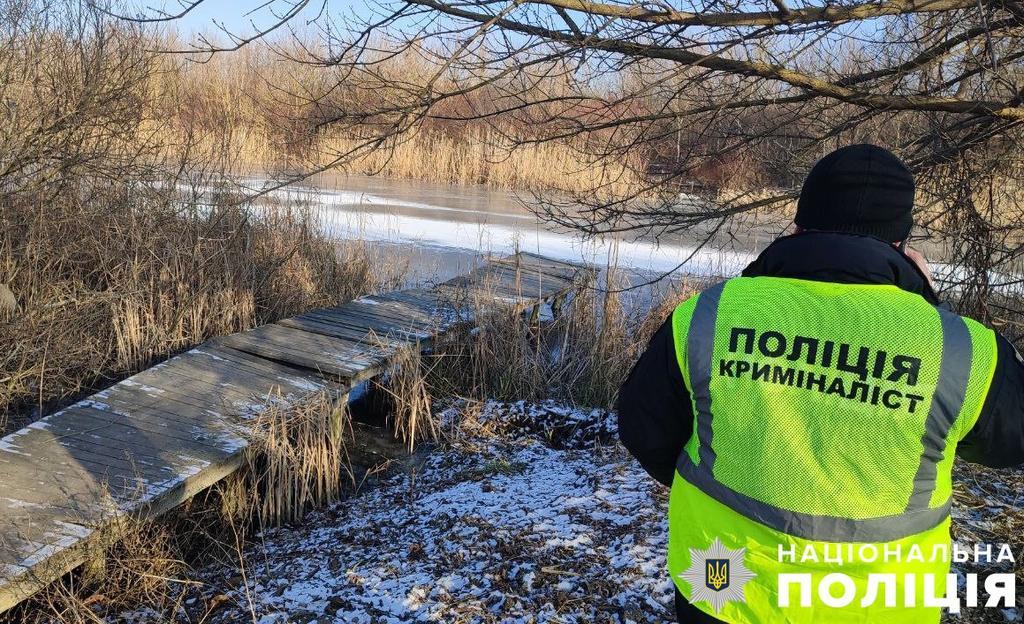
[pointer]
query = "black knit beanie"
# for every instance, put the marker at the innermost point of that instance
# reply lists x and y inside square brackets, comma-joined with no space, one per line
[862,189]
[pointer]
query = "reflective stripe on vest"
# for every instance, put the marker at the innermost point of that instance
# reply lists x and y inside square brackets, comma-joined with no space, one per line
[947,402]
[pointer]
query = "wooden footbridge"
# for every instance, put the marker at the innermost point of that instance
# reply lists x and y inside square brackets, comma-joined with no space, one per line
[150,442]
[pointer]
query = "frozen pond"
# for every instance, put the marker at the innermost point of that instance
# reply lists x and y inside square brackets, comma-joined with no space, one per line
[438,228]
[441,231]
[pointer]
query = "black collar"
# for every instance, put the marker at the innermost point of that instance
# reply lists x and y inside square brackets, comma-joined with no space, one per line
[841,258]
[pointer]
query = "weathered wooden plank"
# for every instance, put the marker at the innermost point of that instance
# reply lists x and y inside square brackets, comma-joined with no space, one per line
[373,327]
[228,388]
[53,561]
[79,499]
[124,453]
[196,388]
[55,474]
[409,308]
[300,381]
[552,268]
[26,536]
[127,400]
[195,395]
[203,373]
[102,459]
[217,437]
[341,331]
[10,573]
[327,325]
[208,366]
[368,325]
[314,351]
[201,378]
[117,445]
[427,300]
[350,353]
[376,331]
[55,480]
[406,307]
[527,281]
[202,366]
[49,562]
[385,312]
[131,405]
[527,259]
[554,279]
[504,284]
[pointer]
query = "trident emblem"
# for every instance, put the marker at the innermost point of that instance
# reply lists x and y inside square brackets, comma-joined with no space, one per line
[717,577]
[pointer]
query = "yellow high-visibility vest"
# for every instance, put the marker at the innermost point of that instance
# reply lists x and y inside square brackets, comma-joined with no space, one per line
[826,417]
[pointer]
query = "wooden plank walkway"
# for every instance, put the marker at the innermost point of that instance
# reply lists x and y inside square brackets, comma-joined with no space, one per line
[150,442]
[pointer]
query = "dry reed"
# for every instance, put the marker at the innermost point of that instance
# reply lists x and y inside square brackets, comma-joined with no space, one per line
[108,288]
[581,355]
[132,563]
[257,110]
[297,460]
[118,248]
[410,417]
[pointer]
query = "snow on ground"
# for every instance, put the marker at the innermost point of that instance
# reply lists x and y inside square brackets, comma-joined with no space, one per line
[531,513]
[988,509]
[492,528]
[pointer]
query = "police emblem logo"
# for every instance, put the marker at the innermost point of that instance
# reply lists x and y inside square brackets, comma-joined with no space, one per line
[717,575]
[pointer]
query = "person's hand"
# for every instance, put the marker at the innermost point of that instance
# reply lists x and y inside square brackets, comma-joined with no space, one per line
[918,259]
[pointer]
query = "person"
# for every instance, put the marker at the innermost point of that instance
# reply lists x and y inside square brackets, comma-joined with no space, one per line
[811,408]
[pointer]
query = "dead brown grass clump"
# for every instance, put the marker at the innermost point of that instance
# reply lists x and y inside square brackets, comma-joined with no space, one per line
[410,417]
[297,460]
[581,356]
[132,563]
[107,287]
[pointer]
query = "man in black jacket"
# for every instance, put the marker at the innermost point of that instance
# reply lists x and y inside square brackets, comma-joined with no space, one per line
[837,240]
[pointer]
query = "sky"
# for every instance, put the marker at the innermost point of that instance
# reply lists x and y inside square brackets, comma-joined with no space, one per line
[239,16]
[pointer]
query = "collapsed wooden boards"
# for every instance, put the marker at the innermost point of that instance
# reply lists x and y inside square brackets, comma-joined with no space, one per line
[152,441]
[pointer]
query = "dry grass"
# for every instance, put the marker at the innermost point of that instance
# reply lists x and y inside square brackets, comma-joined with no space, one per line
[297,459]
[474,156]
[132,563]
[255,110]
[581,356]
[108,287]
[404,384]
[113,253]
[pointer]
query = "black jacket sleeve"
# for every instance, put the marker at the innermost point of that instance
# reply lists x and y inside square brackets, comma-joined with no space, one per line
[997,439]
[655,412]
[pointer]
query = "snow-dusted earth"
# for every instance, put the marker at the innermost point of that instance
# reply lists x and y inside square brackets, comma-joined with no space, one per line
[528,513]
[494,527]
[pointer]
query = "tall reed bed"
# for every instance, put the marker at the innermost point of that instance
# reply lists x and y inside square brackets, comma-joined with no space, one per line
[475,155]
[581,355]
[107,284]
[116,247]
[260,109]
